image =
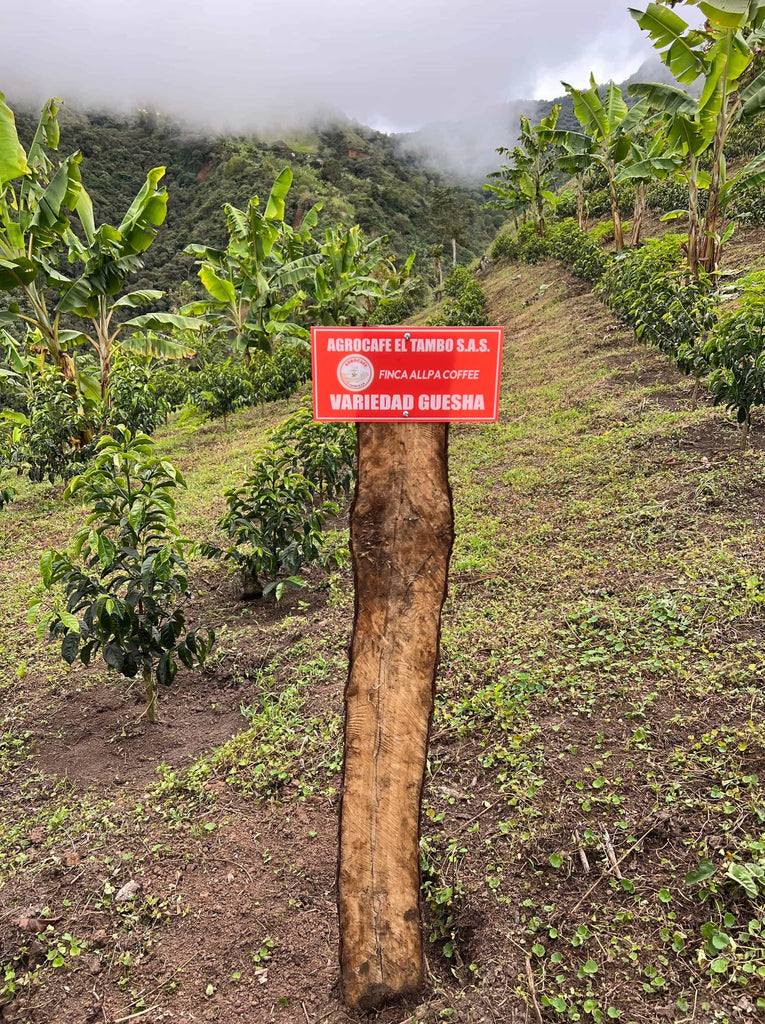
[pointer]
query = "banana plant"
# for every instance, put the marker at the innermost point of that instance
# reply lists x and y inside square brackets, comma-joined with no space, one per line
[653,156]
[528,183]
[36,200]
[353,276]
[608,126]
[255,285]
[720,57]
[110,255]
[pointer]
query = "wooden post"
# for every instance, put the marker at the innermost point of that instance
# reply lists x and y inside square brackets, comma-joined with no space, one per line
[402,531]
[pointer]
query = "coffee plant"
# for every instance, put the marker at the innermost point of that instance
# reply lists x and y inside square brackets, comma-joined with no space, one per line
[220,389]
[323,453]
[119,591]
[735,351]
[280,373]
[56,435]
[467,307]
[274,524]
[579,250]
[136,403]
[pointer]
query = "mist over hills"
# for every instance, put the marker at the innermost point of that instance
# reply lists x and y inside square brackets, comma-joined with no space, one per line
[465,149]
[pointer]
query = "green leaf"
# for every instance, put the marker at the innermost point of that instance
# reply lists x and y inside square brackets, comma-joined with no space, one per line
[13,159]
[666,98]
[615,107]
[162,321]
[727,13]
[70,647]
[16,273]
[739,873]
[668,32]
[753,96]
[138,298]
[705,870]
[70,621]
[114,656]
[275,206]
[719,965]
[145,214]
[221,290]
[590,967]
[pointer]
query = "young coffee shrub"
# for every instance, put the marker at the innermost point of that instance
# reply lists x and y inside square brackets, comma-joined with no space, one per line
[120,590]
[392,311]
[324,453]
[458,280]
[650,289]
[220,389]
[467,308]
[56,437]
[279,374]
[505,247]
[135,400]
[736,353]
[275,523]
[579,250]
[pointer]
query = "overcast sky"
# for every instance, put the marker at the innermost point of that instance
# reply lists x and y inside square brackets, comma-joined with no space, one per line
[394,64]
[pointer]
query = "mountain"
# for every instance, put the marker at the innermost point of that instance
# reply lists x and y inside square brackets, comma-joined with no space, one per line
[466,150]
[358,174]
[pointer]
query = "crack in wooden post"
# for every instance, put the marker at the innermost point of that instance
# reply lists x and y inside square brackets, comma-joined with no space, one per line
[402,531]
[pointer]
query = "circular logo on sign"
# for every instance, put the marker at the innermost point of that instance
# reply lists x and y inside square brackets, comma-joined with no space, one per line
[355,373]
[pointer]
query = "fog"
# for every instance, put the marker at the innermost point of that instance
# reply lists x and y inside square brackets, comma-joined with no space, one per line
[249,65]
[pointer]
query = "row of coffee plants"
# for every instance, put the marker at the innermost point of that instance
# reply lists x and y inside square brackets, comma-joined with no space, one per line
[465,305]
[119,592]
[565,241]
[650,288]
[275,520]
[56,431]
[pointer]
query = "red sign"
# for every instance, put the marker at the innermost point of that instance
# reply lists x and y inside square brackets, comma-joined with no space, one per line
[414,374]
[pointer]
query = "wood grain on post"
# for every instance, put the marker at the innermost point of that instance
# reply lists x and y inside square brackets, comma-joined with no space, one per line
[401,538]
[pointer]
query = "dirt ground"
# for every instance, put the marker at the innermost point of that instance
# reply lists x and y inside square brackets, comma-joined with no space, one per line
[600,703]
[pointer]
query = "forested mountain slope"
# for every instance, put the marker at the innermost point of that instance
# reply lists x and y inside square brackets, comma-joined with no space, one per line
[360,176]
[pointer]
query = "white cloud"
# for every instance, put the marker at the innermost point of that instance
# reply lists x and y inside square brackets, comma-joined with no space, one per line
[247,63]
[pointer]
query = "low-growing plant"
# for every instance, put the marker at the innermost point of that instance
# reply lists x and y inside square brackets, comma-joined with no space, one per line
[119,591]
[457,281]
[279,374]
[220,389]
[468,306]
[324,453]
[650,289]
[136,402]
[736,352]
[579,250]
[55,437]
[505,247]
[274,524]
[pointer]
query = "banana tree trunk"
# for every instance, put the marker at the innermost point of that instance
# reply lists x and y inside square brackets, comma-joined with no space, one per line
[401,539]
[454,252]
[693,218]
[638,215]
[617,218]
[711,248]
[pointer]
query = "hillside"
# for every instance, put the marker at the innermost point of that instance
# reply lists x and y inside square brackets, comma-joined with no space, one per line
[467,149]
[600,686]
[360,176]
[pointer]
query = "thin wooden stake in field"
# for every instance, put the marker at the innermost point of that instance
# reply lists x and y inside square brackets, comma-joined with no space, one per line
[402,531]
